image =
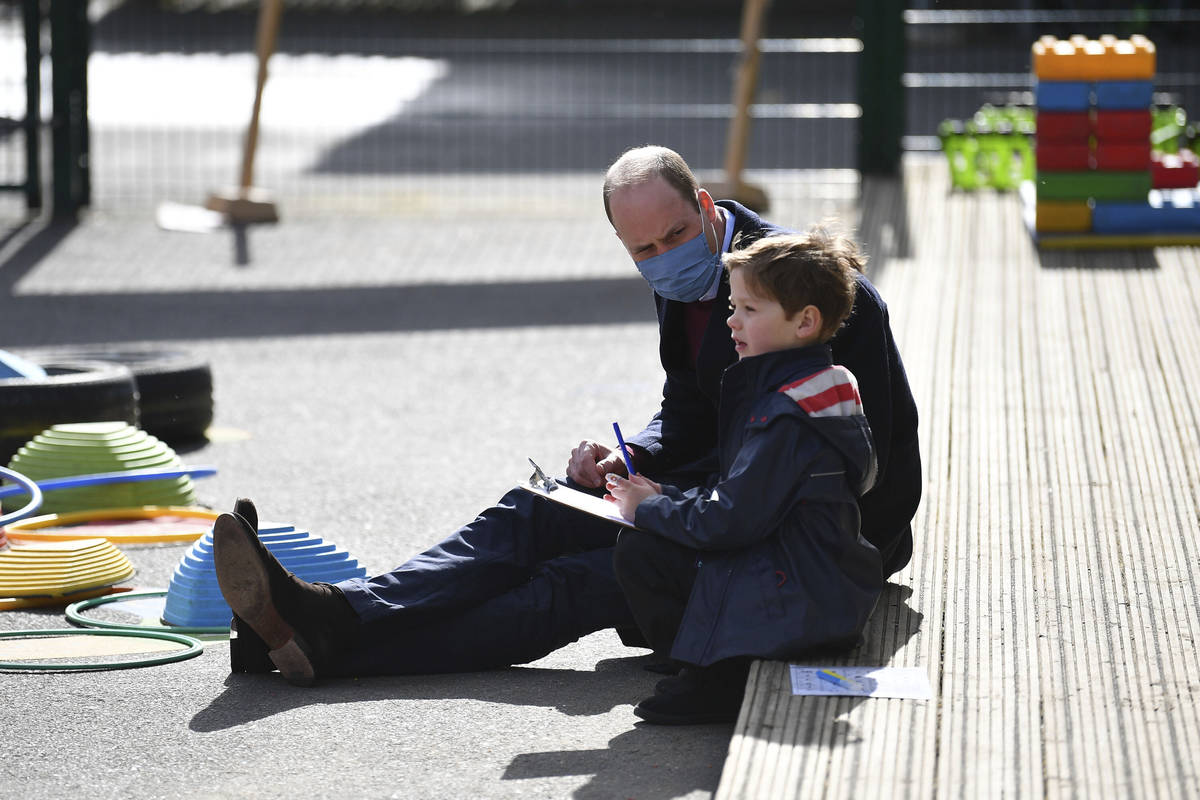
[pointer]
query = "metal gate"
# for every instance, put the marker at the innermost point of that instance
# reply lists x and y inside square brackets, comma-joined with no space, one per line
[20,102]
[22,48]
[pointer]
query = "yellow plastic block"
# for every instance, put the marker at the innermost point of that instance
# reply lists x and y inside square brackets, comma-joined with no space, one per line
[1063,217]
[1105,59]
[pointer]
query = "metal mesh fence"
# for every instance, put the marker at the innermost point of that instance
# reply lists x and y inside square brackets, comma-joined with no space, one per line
[366,112]
[380,106]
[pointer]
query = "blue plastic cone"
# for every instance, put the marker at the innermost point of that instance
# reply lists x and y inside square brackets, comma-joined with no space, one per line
[194,599]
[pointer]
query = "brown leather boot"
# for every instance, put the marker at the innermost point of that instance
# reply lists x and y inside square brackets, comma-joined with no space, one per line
[300,624]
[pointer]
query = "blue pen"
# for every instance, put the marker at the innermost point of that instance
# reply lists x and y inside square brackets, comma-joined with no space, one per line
[624,452]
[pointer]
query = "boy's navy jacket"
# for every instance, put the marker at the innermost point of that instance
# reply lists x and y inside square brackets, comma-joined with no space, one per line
[782,568]
[680,443]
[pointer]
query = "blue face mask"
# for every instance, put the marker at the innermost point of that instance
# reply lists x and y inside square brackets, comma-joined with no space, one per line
[685,272]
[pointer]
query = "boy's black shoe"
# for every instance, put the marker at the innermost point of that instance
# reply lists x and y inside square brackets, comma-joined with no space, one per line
[694,697]
[672,684]
[300,625]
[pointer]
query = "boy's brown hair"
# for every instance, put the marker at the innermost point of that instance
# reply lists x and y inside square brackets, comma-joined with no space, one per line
[795,270]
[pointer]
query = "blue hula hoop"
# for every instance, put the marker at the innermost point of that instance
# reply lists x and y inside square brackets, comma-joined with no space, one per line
[34,490]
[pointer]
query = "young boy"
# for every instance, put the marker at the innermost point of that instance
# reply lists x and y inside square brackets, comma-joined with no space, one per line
[768,562]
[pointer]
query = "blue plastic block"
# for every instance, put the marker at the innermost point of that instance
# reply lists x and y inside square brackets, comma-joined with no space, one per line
[1175,211]
[1114,95]
[1063,95]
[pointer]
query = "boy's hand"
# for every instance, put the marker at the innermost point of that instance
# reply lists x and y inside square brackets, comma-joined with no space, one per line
[591,461]
[628,492]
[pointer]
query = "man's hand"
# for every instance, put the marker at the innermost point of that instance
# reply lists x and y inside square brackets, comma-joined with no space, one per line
[628,492]
[591,461]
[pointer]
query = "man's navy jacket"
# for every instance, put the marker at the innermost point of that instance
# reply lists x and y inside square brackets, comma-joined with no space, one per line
[680,443]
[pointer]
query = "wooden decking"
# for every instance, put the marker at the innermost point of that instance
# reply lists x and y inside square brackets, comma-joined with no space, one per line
[1053,596]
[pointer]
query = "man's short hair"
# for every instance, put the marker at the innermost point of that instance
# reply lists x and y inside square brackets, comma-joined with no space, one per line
[639,164]
[795,270]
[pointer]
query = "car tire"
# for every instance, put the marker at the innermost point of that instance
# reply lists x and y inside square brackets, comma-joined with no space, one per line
[176,390]
[72,391]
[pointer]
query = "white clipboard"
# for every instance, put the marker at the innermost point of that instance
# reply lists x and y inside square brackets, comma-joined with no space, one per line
[538,483]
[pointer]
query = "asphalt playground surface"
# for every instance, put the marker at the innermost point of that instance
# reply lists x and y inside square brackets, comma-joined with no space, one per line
[377,383]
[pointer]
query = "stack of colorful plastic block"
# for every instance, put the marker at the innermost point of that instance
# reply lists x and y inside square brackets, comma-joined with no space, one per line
[1093,99]
[1094,154]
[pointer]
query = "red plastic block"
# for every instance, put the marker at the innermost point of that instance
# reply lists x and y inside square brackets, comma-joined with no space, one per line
[1063,126]
[1122,126]
[1170,171]
[1063,157]
[1122,156]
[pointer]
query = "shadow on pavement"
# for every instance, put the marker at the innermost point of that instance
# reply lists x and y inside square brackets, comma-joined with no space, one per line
[30,252]
[649,762]
[37,320]
[661,762]
[248,698]
[448,143]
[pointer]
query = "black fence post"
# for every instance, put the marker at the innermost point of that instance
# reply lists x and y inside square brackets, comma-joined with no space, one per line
[880,89]
[31,11]
[69,46]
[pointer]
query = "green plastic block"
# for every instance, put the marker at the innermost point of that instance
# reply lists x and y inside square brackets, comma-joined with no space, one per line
[1093,184]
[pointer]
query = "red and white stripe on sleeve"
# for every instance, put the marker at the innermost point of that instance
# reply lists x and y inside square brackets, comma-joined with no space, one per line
[832,392]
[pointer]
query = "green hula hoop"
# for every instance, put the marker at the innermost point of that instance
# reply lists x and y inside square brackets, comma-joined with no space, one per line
[194,648]
[75,616]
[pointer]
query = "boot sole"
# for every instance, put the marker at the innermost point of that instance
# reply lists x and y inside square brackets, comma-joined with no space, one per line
[246,587]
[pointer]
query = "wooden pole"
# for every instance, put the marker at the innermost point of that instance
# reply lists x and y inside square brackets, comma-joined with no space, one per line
[268,32]
[248,203]
[745,84]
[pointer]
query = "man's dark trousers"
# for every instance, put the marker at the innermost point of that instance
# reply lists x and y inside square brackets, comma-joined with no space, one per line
[525,578]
